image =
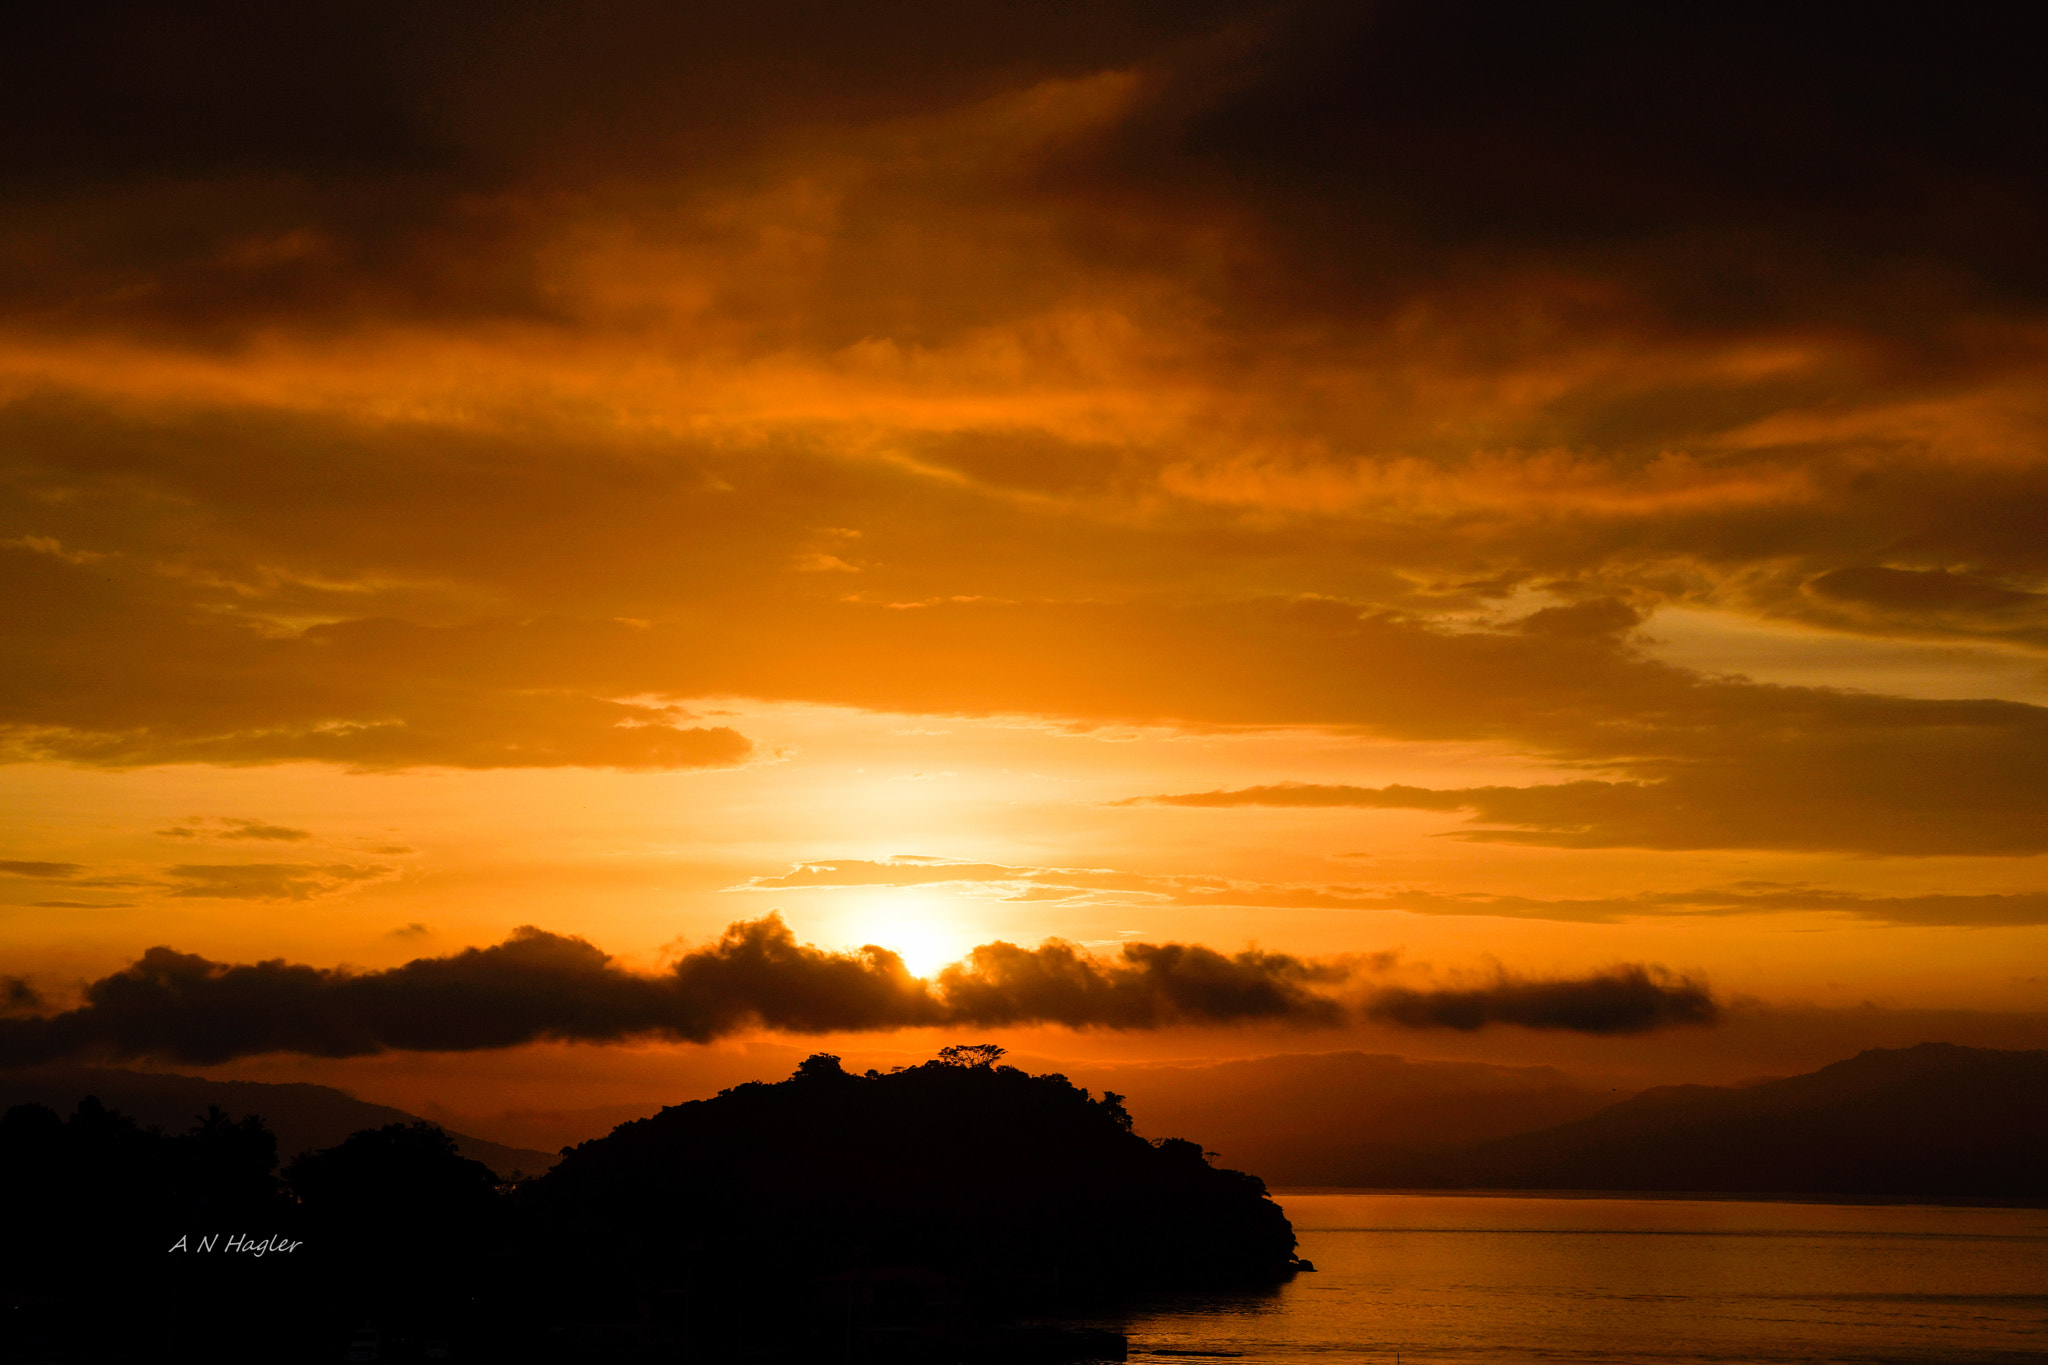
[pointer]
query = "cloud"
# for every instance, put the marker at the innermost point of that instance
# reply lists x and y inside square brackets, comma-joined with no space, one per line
[15,867]
[228,827]
[1112,886]
[81,905]
[1147,985]
[1978,911]
[1314,795]
[919,871]
[380,163]
[1925,590]
[1582,620]
[1008,882]
[363,694]
[268,881]
[1806,787]
[1925,602]
[1690,761]
[1702,762]
[1297,418]
[1621,1000]
[536,985]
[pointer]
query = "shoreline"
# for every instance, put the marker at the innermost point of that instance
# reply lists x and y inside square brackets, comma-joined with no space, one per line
[1681,1196]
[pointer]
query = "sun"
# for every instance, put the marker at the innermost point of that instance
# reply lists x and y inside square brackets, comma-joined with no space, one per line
[923,952]
[923,935]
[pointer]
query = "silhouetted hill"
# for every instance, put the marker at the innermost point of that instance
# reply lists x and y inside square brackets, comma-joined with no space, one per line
[1000,1184]
[1338,1118]
[1931,1121]
[304,1117]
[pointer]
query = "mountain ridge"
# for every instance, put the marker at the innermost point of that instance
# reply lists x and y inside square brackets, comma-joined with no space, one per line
[305,1117]
[1933,1120]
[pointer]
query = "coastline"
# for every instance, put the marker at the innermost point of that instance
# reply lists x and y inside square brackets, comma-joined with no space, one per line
[1680,1196]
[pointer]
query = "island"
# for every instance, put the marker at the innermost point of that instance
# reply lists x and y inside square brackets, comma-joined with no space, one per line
[921,1206]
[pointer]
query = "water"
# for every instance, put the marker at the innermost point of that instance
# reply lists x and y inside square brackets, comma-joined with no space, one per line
[1444,1280]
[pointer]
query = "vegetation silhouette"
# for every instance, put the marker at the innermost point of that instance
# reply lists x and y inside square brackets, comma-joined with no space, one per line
[92,1204]
[402,1177]
[903,1216]
[952,1193]
[304,1117]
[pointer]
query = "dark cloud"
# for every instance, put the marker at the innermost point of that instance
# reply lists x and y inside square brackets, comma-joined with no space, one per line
[1629,999]
[537,985]
[1925,602]
[1714,161]
[16,867]
[237,167]
[1146,986]
[1601,616]
[1924,590]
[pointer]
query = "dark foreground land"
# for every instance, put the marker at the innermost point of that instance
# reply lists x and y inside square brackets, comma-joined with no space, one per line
[833,1217]
[304,1117]
[914,1215]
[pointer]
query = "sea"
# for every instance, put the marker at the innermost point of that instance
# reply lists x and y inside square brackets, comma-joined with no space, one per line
[1417,1279]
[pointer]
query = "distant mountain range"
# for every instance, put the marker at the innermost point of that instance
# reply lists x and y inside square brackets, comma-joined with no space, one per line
[304,1117]
[1339,1118]
[1931,1121]
[1937,1120]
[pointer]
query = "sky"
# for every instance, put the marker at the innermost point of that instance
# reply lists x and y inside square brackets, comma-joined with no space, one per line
[533,535]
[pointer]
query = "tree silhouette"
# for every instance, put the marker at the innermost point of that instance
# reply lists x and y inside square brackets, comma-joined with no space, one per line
[102,1210]
[400,1176]
[971,1179]
[229,1166]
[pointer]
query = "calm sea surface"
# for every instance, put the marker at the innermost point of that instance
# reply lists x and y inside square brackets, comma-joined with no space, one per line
[1441,1279]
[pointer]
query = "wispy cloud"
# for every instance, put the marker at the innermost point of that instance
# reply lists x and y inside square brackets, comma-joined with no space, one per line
[15,867]
[998,881]
[231,828]
[269,881]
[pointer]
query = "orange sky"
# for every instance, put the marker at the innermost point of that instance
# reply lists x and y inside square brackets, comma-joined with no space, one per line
[1444,495]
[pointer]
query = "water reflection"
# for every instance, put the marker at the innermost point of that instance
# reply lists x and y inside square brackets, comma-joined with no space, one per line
[1442,1280]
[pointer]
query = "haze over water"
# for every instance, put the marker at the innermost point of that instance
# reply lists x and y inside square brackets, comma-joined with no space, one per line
[1443,1280]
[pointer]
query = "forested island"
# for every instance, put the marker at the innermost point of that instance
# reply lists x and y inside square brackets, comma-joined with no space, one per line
[920,1213]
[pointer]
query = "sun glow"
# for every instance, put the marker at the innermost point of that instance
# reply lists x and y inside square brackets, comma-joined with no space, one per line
[925,936]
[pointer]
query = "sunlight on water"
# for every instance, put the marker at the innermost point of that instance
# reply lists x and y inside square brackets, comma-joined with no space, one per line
[1443,1280]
